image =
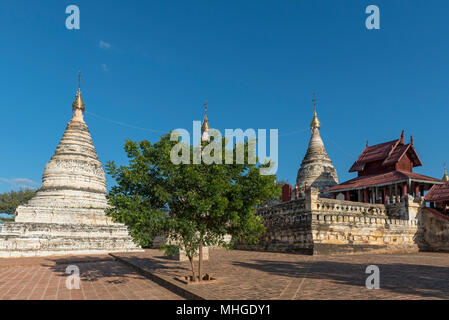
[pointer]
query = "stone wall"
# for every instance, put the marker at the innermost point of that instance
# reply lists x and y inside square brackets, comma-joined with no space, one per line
[316,225]
[434,230]
[349,227]
[46,239]
[287,228]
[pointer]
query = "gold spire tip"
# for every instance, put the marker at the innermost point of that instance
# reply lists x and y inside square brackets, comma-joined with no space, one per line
[315,124]
[445,176]
[314,101]
[78,103]
[205,125]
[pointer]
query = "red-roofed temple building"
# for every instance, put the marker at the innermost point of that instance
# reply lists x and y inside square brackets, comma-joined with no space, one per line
[383,208]
[385,174]
[438,195]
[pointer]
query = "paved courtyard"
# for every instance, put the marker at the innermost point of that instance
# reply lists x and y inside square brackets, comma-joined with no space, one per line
[102,278]
[246,274]
[264,275]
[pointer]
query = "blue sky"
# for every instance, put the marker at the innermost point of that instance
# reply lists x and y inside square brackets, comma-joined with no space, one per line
[151,64]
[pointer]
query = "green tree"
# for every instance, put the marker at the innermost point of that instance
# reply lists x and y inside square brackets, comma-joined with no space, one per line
[9,201]
[4,219]
[194,205]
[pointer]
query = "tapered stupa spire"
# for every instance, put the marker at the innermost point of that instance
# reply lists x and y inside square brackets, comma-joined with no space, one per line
[316,168]
[315,124]
[445,176]
[78,103]
[78,106]
[205,127]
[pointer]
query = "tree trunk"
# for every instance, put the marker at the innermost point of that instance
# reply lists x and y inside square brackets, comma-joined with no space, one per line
[192,266]
[200,261]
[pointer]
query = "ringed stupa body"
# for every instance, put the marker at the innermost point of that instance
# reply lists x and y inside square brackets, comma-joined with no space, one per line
[316,169]
[67,214]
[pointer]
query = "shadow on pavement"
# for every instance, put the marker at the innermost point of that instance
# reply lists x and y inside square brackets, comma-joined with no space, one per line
[421,280]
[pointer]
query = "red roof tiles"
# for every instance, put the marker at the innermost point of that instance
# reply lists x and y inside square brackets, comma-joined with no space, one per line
[439,192]
[381,180]
[390,152]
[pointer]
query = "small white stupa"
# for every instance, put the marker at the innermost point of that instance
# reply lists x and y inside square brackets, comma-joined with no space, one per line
[316,168]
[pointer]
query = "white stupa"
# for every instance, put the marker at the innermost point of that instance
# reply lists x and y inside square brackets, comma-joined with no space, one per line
[316,168]
[67,214]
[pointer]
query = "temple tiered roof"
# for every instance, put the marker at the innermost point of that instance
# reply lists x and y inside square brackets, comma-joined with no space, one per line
[388,165]
[383,179]
[386,154]
[438,193]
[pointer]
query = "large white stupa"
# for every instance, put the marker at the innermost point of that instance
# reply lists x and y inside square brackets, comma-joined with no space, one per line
[67,214]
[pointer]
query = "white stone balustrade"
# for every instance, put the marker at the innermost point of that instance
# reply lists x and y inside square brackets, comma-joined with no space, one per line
[348,207]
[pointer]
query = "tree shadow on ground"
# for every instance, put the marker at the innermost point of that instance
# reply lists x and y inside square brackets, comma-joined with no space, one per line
[411,279]
[106,267]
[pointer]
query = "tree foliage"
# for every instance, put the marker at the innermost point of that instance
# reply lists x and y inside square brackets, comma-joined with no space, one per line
[9,201]
[195,205]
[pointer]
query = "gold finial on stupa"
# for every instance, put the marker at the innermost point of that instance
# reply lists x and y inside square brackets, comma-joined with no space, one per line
[315,124]
[445,176]
[78,103]
[205,125]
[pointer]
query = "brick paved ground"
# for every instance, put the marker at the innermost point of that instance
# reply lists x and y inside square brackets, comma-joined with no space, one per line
[263,275]
[247,275]
[101,278]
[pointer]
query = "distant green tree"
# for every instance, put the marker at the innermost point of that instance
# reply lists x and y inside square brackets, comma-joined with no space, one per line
[195,205]
[4,219]
[277,198]
[9,201]
[282,182]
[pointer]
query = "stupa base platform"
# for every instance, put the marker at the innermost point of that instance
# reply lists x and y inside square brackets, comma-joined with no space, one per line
[48,239]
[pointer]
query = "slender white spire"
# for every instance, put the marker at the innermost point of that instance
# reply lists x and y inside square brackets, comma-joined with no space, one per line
[316,168]
[205,127]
